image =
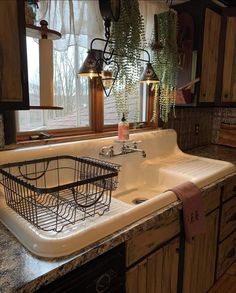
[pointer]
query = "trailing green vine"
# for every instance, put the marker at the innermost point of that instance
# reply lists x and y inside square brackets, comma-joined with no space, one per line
[164,49]
[128,35]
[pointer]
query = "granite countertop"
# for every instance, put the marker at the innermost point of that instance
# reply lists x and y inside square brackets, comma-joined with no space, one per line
[213,151]
[21,271]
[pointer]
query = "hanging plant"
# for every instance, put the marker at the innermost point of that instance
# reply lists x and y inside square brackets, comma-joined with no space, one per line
[164,48]
[128,35]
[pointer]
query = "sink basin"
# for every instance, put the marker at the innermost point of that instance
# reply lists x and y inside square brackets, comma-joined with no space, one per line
[153,181]
[143,188]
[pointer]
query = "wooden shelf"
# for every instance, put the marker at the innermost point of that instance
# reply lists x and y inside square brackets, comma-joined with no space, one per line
[45,108]
[36,32]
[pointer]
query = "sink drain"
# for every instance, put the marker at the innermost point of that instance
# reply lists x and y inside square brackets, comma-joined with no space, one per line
[139,200]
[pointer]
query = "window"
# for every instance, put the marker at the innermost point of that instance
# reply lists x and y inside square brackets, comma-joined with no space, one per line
[70,92]
[85,107]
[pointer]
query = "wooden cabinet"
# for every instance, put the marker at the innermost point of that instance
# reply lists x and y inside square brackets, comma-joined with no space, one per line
[152,257]
[228,47]
[210,56]
[148,241]
[229,188]
[13,61]
[200,256]
[226,254]
[227,233]
[228,218]
[218,71]
[157,273]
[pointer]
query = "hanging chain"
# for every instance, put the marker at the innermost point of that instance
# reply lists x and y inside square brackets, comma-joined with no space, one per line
[107,24]
[107,56]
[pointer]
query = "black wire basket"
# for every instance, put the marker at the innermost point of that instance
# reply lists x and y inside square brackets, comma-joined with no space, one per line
[54,192]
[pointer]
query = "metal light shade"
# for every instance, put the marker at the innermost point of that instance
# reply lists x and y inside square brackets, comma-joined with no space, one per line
[149,76]
[92,65]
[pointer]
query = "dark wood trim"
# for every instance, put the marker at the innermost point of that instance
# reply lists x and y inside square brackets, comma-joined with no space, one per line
[227,12]
[24,104]
[180,281]
[97,105]
[24,141]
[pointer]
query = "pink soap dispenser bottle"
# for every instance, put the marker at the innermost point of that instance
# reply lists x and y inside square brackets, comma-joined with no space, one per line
[123,129]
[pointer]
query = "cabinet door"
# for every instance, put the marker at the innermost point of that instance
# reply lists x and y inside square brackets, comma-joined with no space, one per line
[158,273]
[229,71]
[228,218]
[210,56]
[200,258]
[226,255]
[13,62]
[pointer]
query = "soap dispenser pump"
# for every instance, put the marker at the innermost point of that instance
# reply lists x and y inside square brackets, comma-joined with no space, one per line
[123,129]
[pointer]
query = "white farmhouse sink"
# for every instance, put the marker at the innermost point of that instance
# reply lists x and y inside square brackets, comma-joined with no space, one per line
[147,178]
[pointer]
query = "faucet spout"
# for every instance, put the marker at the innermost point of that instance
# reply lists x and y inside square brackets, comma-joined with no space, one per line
[129,150]
[108,151]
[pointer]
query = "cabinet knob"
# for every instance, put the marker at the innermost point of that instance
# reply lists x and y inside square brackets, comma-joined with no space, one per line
[226,96]
[204,95]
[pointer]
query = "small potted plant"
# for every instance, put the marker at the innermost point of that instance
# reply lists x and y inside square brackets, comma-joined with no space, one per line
[31,7]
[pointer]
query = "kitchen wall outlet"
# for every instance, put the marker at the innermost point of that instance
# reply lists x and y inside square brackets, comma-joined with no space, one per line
[196,130]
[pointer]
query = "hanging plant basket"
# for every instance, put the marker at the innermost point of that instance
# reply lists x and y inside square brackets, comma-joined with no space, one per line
[164,47]
[128,35]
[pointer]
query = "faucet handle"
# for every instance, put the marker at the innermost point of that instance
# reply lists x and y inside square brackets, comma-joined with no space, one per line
[135,143]
[106,151]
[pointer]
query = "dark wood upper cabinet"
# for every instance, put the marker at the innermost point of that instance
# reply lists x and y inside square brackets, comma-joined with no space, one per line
[14,94]
[215,47]
[204,16]
[210,59]
[226,86]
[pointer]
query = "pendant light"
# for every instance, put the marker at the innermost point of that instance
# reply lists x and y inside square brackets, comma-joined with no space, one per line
[102,65]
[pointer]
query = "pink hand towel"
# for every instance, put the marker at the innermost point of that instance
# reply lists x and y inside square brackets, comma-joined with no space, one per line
[193,210]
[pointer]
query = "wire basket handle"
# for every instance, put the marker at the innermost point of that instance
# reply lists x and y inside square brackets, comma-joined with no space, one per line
[91,204]
[34,178]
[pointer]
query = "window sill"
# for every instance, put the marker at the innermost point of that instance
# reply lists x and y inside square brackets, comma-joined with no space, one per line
[48,141]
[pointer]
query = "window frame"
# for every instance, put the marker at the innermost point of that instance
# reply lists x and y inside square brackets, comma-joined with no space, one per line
[96,128]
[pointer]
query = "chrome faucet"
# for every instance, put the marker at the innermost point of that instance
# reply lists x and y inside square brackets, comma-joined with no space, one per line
[108,151]
[126,149]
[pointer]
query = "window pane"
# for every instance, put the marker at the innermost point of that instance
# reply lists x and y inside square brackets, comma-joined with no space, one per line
[70,92]
[136,107]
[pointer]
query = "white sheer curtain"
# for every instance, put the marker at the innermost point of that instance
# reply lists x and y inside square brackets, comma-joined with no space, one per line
[77,21]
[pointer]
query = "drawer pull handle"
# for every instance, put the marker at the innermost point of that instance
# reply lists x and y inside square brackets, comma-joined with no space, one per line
[232,218]
[231,253]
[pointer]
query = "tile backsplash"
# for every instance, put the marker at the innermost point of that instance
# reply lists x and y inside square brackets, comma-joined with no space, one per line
[208,119]
[222,115]
[193,126]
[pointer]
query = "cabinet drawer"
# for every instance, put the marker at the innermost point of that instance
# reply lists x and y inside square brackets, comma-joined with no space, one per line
[229,188]
[227,254]
[211,199]
[150,240]
[156,273]
[228,218]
